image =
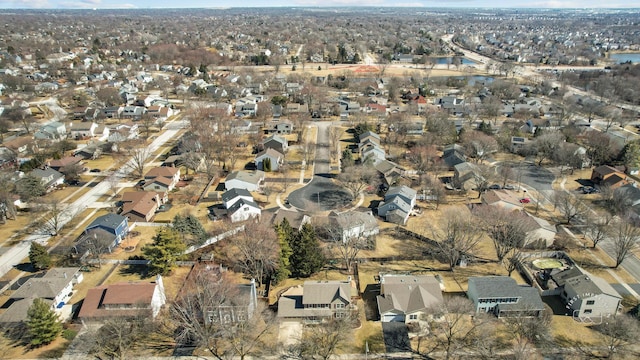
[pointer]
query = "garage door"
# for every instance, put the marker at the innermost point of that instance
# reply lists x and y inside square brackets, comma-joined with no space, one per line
[393,318]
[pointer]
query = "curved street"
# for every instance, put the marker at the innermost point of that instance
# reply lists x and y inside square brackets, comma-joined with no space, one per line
[322,193]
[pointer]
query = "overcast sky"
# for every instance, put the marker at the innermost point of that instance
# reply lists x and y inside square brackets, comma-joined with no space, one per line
[142,4]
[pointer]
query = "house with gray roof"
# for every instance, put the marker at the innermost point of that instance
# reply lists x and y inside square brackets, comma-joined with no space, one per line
[295,219]
[316,300]
[276,142]
[586,295]
[354,224]
[273,157]
[50,178]
[249,180]
[397,205]
[54,287]
[230,197]
[243,209]
[503,297]
[112,227]
[54,131]
[406,298]
[466,176]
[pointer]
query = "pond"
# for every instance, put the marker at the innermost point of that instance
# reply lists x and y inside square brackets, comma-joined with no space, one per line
[449,60]
[622,58]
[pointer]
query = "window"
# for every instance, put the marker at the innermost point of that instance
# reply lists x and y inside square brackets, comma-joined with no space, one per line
[588,311]
[339,306]
[591,302]
[413,317]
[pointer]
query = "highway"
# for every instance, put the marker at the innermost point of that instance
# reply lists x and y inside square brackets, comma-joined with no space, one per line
[20,251]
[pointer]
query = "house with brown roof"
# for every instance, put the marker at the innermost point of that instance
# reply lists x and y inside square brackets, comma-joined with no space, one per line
[162,179]
[606,175]
[142,205]
[502,198]
[58,164]
[315,300]
[406,298]
[123,299]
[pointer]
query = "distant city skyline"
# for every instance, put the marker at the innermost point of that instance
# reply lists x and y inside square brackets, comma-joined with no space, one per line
[146,4]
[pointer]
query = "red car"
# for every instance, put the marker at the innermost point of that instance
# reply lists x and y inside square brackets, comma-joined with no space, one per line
[525,200]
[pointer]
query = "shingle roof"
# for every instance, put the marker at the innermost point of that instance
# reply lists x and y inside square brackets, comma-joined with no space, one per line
[246,176]
[407,293]
[234,193]
[325,292]
[116,294]
[108,221]
[583,282]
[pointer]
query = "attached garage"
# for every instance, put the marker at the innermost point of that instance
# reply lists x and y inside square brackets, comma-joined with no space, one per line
[392,317]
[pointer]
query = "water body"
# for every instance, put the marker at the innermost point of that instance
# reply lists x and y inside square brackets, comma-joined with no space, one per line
[622,58]
[449,60]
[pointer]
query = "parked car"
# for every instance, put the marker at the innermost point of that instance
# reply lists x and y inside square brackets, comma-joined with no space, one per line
[95,170]
[525,200]
[494,187]
[509,187]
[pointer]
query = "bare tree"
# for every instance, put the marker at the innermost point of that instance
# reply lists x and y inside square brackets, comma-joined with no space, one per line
[624,237]
[452,325]
[138,157]
[508,229]
[617,334]
[479,145]
[114,183]
[433,189]
[54,216]
[119,336]
[458,239]
[335,132]
[569,206]
[547,144]
[322,341]
[97,245]
[598,227]
[349,246]
[200,315]
[528,332]
[356,178]
[255,250]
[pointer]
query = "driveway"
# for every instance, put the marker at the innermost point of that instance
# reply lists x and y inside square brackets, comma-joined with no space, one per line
[396,337]
[290,332]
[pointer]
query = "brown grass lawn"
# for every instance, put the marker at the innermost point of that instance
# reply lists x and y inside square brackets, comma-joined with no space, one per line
[105,162]
[566,330]
[16,350]
[370,332]
[13,227]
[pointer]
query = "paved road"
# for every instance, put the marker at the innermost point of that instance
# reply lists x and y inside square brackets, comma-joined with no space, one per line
[321,194]
[20,251]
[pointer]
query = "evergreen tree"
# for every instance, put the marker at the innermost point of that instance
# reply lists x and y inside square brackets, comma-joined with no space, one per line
[306,257]
[190,228]
[39,257]
[347,158]
[266,164]
[285,235]
[166,249]
[43,324]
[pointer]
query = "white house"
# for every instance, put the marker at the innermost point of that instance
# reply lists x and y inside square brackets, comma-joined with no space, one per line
[52,131]
[243,210]
[274,157]
[354,224]
[542,234]
[232,196]
[249,180]
[502,296]
[586,295]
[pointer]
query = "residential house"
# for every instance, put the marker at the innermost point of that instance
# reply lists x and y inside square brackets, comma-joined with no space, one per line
[466,176]
[316,300]
[54,131]
[273,158]
[295,219]
[276,142]
[542,233]
[503,297]
[372,152]
[90,151]
[50,178]
[59,164]
[82,129]
[631,194]
[249,180]
[397,205]
[407,298]
[518,143]
[354,224]
[389,171]
[55,288]
[112,112]
[369,135]
[453,155]
[503,199]
[133,112]
[293,88]
[20,146]
[609,176]
[283,127]
[295,108]
[242,210]
[130,299]
[112,227]
[142,205]
[123,131]
[586,295]
[162,179]
[232,196]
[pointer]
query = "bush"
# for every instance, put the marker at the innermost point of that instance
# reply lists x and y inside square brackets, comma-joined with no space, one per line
[69,334]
